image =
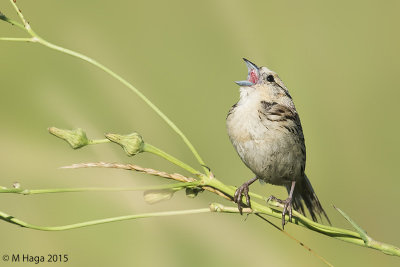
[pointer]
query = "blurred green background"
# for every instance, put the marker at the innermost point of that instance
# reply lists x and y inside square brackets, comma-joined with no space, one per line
[340,61]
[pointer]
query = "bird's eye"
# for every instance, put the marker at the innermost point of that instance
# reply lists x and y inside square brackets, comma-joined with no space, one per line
[270,78]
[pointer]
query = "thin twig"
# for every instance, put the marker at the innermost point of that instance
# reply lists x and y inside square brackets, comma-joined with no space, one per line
[214,185]
[25,191]
[216,207]
[13,39]
[295,239]
[131,167]
[12,219]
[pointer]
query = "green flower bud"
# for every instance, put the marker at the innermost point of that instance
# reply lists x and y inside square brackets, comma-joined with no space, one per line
[76,138]
[132,143]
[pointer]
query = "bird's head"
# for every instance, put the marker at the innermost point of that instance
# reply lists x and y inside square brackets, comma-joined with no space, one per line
[263,80]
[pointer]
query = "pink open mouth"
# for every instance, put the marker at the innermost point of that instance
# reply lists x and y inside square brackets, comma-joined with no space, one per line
[253,76]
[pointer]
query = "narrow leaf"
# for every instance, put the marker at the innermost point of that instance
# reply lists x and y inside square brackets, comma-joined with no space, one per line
[362,232]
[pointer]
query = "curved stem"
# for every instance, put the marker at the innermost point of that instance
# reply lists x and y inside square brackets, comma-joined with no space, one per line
[97,189]
[38,39]
[11,219]
[337,233]
[21,16]
[154,150]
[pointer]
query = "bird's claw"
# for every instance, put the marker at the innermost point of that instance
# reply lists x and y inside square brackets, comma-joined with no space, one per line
[287,208]
[237,198]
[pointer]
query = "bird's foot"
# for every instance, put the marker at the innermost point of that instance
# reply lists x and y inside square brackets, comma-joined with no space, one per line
[243,190]
[237,198]
[287,208]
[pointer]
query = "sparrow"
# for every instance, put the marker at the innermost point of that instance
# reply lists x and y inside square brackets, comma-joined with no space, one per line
[265,129]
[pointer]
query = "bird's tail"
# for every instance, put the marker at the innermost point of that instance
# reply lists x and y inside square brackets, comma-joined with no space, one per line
[303,192]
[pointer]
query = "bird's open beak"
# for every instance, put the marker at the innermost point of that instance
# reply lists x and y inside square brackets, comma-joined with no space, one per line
[252,76]
[244,83]
[250,65]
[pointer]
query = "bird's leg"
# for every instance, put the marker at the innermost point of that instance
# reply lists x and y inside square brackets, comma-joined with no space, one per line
[287,204]
[243,190]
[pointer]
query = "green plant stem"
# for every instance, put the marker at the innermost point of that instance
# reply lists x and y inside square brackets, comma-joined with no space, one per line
[98,141]
[12,22]
[98,189]
[21,16]
[11,219]
[15,39]
[40,40]
[206,181]
[274,212]
[154,150]
[299,219]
